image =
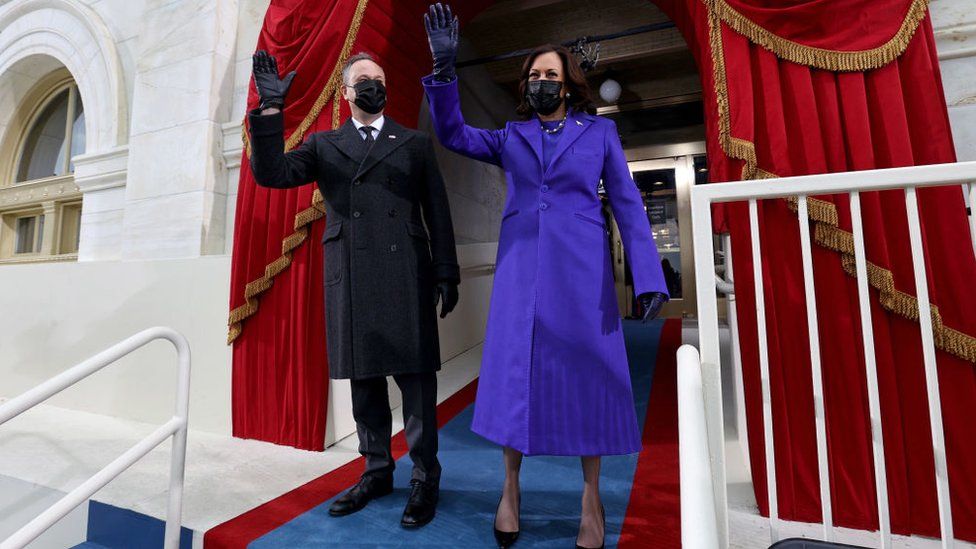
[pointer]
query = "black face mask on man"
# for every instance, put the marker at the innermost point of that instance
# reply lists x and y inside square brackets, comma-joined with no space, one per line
[370,96]
[543,96]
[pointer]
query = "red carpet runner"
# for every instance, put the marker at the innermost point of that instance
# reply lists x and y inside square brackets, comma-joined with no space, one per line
[653,516]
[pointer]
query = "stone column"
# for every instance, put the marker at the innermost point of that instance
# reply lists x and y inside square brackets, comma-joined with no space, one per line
[175,195]
[954,22]
[101,178]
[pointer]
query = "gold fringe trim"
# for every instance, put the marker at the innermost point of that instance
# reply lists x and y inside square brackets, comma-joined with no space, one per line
[734,147]
[831,60]
[316,210]
[824,214]
[817,210]
[827,234]
[893,300]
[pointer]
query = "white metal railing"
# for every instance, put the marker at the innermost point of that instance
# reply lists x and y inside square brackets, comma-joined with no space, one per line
[694,474]
[175,427]
[852,183]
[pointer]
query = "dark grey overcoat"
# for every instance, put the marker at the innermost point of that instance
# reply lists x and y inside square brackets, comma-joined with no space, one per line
[381,267]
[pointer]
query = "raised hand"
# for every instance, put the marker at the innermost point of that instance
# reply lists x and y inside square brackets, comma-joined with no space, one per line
[652,302]
[271,89]
[442,35]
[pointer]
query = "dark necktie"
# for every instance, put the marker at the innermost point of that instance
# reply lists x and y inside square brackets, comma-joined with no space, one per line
[368,142]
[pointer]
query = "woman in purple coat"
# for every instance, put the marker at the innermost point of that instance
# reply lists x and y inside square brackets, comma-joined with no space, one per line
[554,376]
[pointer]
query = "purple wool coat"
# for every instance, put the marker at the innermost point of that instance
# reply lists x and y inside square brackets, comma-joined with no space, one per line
[554,375]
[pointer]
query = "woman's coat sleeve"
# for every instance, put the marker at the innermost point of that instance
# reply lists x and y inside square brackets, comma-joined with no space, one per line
[628,210]
[453,133]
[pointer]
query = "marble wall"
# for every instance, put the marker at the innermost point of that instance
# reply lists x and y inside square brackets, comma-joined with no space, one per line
[954,23]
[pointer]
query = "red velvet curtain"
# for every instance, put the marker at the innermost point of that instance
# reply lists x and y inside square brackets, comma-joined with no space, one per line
[280,369]
[802,120]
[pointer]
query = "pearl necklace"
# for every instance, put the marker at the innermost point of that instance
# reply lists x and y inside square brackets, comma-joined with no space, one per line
[562,123]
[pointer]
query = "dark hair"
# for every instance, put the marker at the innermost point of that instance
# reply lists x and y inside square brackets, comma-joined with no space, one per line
[573,79]
[361,56]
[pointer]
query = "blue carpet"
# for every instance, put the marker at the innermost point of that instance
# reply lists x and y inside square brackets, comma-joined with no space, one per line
[111,527]
[471,487]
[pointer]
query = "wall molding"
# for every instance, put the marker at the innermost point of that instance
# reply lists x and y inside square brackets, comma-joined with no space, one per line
[104,170]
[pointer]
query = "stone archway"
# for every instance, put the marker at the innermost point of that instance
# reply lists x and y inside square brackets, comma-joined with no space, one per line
[36,32]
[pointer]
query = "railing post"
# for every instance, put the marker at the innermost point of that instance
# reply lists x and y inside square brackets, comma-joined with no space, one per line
[815,370]
[174,511]
[931,373]
[699,528]
[767,399]
[871,372]
[704,250]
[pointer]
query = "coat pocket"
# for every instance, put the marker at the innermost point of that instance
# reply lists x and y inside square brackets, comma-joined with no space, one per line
[588,219]
[416,230]
[332,252]
[419,260]
[588,153]
[509,214]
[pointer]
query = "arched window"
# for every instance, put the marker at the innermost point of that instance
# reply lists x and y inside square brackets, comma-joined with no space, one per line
[56,134]
[45,220]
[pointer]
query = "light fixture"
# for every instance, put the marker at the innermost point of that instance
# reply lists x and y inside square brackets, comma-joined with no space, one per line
[610,91]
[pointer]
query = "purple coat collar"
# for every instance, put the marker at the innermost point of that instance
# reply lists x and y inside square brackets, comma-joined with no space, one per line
[531,131]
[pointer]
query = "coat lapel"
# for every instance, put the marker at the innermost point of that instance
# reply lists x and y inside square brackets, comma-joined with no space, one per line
[348,140]
[391,136]
[532,133]
[576,124]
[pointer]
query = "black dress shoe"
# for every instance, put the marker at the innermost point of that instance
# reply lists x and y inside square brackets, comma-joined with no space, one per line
[421,505]
[368,488]
[603,512]
[506,539]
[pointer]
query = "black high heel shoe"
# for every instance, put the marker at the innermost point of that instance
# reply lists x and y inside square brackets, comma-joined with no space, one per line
[603,512]
[506,539]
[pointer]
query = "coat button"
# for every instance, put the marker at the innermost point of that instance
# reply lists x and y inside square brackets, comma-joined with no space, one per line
[544,206]
[393,248]
[545,188]
[393,213]
[356,214]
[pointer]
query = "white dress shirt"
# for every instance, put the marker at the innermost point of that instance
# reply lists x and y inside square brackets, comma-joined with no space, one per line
[377,125]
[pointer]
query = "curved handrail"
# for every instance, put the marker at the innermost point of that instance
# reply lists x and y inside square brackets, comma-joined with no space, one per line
[175,427]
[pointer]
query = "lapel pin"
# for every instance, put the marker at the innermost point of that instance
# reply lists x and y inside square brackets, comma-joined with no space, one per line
[392,137]
[578,123]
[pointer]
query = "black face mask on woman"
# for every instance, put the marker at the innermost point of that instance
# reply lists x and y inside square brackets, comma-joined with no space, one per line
[543,96]
[370,96]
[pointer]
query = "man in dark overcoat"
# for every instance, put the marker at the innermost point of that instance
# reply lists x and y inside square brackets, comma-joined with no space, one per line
[384,271]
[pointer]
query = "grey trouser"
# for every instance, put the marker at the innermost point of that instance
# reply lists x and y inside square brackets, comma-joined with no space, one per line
[374,423]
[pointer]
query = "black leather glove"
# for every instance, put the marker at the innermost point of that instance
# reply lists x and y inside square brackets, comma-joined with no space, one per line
[442,34]
[652,302]
[447,294]
[271,89]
